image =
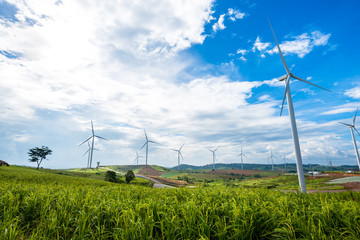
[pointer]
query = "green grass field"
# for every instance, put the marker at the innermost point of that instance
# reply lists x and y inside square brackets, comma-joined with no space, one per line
[47,205]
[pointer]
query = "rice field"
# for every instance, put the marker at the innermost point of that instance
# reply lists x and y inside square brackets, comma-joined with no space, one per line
[42,205]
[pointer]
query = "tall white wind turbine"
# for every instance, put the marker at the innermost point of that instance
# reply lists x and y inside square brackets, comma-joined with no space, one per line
[179,155]
[147,146]
[287,94]
[92,137]
[352,128]
[242,162]
[214,156]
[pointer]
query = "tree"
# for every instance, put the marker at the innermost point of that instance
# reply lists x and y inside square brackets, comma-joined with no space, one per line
[110,176]
[38,154]
[129,176]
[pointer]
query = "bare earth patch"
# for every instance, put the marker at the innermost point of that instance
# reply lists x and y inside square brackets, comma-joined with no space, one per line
[149,171]
[170,181]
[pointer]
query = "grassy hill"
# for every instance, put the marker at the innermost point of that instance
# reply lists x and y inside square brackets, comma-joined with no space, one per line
[42,204]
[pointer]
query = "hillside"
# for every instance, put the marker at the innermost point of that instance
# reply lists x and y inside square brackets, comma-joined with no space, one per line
[42,204]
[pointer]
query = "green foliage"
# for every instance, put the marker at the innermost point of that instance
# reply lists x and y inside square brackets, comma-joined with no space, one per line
[110,176]
[42,205]
[37,154]
[129,176]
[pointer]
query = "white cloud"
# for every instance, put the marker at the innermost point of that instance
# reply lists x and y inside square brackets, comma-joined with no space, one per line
[241,51]
[302,44]
[219,25]
[260,46]
[353,93]
[235,14]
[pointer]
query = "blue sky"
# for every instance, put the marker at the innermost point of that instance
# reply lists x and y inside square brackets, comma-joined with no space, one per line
[199,73]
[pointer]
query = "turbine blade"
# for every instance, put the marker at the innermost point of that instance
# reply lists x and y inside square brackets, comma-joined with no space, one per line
[85,141]
[153,142]
[181,147]
[181,155]
[174,150]
[102,138]
[305,81]
[281,55]
[346,124]
[245,156]
[355,116]
[217,148]
[287,85]
[143,145]
[145,135]
[86,152]
[92,127]
[356,131]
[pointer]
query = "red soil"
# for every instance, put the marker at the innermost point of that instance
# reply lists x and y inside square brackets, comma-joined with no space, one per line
[149,171]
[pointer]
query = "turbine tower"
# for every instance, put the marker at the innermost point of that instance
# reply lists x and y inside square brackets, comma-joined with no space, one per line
[287,94]
[147,146]
[92,142]
[88,152]
[272,161]
[352,128]
[179,155]
[213,152]
[242,162]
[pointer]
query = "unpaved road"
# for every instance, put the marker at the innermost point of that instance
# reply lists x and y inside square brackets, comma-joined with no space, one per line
[157,184]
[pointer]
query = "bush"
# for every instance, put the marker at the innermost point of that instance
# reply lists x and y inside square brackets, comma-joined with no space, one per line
[129,176]
[110,176]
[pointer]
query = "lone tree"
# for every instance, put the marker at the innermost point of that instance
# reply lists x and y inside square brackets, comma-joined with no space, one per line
[129,176]
[37,154]
[110,176]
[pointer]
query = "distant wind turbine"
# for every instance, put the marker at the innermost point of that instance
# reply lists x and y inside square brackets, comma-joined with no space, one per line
[284,158]
[242,162]
[92,142]
[214,156]
[272,161]
[147,146]
[137,158]
[287,77]
[179,155]
[352,128]
[88,152]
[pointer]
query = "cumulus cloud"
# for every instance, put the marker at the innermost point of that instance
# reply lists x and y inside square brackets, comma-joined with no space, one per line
[219,25]
[232,14]
[235,14]
[353,93]
[260,46]
[303,44]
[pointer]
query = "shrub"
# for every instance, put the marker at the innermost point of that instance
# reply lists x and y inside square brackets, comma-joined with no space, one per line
[110,176]
[129,176]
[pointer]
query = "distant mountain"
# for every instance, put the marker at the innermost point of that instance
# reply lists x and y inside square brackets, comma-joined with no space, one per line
[267,167]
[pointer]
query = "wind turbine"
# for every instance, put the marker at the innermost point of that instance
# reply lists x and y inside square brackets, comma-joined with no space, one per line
[272,161]
[352,128]
[179,155]
[137,158]
[287,93]
[88,152]
[92,142]
[213,152]
[147,146]
[284,158]
[242,162]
